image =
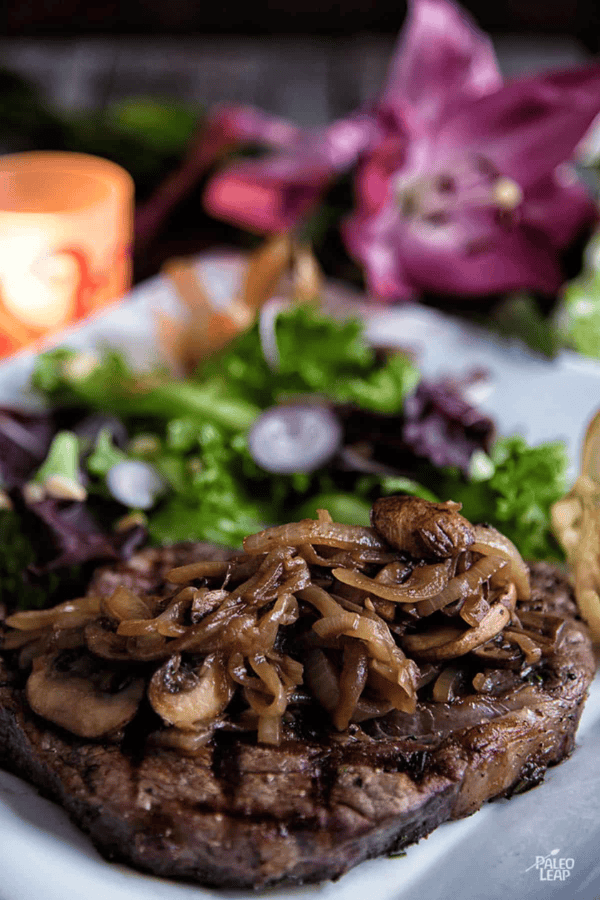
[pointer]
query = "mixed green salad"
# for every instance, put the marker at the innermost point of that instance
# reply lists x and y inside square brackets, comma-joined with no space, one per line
[122,457]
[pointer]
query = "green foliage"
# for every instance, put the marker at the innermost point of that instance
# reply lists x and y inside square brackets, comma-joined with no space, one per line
[105,455]
[18,588]
[519,316]
[111,386]
[16,553]
[517,497]
[148,136]
[579,318]
[217,491]
[317,354]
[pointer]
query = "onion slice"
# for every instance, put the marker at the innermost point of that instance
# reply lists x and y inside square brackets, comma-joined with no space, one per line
[462,586]
[352,681]
[206,569]
[425,582]
[489,627]
[71,614]
[309,531]
[445,684]
[489,541]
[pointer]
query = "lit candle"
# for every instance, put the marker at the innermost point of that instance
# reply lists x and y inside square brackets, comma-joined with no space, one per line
[65,239]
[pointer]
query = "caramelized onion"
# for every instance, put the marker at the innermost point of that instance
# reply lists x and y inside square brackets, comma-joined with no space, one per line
[489,627]
[322,679]
[474,609]
[269,729]
[374,633]
[397,696]
[167,624]
[309,531]
[204,569]
[352,682]
[13,640]
[394,573]
[461,586]
[330,606]
[531,649]
[445,684]
[424,582]
[71,614]
[489,541]
[267,674]
[353,559]
[123,604]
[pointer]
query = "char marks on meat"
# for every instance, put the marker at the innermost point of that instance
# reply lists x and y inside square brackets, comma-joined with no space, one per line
[237,813]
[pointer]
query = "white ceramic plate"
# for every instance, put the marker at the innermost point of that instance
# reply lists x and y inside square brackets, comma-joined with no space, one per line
[490,855]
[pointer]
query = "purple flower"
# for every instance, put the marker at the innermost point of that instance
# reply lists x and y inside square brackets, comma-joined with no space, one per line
[274,193]
[462,185]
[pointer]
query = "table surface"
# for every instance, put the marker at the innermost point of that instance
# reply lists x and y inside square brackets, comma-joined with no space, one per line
[311,80]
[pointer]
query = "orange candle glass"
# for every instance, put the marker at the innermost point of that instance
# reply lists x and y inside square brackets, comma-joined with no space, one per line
[66,222]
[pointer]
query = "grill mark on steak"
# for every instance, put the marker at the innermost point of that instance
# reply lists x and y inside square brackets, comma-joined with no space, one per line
[244,815]
[225,762]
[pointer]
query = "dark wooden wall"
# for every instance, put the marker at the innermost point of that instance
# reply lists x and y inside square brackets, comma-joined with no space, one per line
[580,18]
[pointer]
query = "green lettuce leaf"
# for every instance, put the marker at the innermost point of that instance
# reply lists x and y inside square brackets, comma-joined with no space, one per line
[317,354]
[516,498]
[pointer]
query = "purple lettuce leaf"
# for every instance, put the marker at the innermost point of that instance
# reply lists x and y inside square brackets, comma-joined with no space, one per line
[24,442]
[76,537]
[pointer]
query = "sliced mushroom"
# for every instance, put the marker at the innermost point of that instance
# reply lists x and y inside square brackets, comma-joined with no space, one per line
[68,689]
[499,654]
[188,698]
[421,528]
[101,640]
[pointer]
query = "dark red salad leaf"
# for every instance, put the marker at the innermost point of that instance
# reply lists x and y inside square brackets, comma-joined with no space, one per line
[76,537]
[24,442]
[441,427]
[437,427]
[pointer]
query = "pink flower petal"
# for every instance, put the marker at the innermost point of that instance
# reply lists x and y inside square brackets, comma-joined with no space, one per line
[248,197]
[528,126]
[274,193]
[561,207]
[371,241]
[517,260]
[372,183]
[248,123]
[470,258]
[441,59]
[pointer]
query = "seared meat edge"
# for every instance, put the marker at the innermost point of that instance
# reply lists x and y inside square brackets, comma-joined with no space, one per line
[245,815]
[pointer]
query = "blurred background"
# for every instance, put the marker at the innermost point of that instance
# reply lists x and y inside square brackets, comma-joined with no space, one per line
[577,17]
[78,75]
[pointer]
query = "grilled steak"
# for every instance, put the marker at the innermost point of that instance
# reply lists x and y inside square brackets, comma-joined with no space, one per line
[242,814]
[146,571]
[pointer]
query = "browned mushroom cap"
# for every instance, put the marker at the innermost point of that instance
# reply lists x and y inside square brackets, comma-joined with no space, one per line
[420,528]
[189,698]
[69,690]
